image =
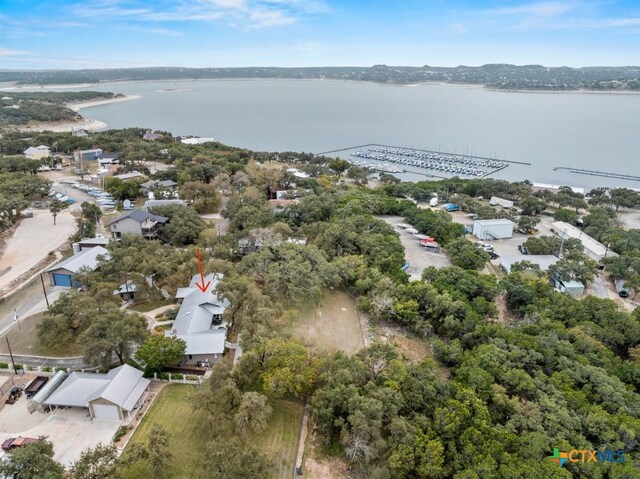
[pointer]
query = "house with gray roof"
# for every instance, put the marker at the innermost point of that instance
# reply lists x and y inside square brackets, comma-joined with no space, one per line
[107,396]
[65,273]
[167,185]
[137,222]
[37,152]
[199,321]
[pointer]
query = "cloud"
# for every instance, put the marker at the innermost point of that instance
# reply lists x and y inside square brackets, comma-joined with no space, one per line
[9,52]
[246,13]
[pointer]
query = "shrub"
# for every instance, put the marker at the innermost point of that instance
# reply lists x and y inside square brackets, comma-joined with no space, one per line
[163,376]
[47,369]
[192,377]
[177,376]
[61,369]
[122,430]
[4,365]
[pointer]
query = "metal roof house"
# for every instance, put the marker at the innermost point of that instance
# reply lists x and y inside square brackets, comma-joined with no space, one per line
[163,185]
[63,273]
[137,222]
[493,229]
[592,247]
[107,396]
[199,321]
[37,152]
[88,243]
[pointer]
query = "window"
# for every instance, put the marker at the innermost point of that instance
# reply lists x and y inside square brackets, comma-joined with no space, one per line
[190,356]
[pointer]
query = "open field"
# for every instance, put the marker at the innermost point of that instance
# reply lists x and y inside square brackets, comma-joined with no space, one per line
[24,340]
[331,326]
[190,434]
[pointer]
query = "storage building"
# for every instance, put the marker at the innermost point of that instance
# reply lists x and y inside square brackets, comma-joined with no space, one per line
[63,273]
[493,229]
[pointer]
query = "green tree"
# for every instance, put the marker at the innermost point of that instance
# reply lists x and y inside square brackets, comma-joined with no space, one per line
[204,196]
[184,224]
[159,351]
[253,413]
[33,461]
[339,165]
[527,224]
[566,215]
[624,197]
[55,207]
[114,333]
[532,206]
[123,189]
[101,462]
[160,454]
[234,459]
[87,222]
[358,175]
[466,255]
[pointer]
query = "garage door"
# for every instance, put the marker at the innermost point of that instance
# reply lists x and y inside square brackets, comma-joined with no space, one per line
[102,411]
[61,279]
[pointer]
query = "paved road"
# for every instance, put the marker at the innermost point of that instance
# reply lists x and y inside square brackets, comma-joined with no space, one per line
[28,301]
[417,256]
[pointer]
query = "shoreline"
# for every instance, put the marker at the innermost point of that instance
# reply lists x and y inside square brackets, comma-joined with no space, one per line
[87,124]
[88,104]
[30,87]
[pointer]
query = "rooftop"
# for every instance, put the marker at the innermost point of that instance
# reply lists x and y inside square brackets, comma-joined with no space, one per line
[497,221]
[83,259]
[140,216]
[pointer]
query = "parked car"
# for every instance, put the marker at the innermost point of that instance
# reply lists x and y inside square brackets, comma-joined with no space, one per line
[523,249]
[19,441]
[485,246]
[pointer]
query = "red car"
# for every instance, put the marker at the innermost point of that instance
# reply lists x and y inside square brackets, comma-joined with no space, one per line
[19,441]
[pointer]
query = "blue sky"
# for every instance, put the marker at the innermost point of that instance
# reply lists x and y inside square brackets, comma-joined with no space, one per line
[199,33]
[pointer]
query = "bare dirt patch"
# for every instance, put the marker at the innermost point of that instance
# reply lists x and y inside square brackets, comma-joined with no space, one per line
[319,466]
[331,326]
[413,349]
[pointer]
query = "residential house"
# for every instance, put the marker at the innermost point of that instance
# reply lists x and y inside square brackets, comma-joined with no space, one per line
[108,158]
[199,321]
[79,132]
[137,222]
[151,136]
[89,155]
[89,243]
[65,272]
[196,141]
[107,396]
[37,152]
[166,185]
[126,291]
[592,247]
[131,175]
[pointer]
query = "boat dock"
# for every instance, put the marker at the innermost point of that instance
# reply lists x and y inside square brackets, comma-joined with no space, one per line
[605,174]
[395,159]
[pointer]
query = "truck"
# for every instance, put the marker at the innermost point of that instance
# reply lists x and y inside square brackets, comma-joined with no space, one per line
[495,201]
[433,202]
[450,207]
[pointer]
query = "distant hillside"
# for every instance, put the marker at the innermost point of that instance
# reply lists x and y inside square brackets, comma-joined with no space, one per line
[501,76]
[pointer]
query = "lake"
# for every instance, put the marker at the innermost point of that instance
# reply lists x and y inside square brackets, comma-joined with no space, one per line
[593,131]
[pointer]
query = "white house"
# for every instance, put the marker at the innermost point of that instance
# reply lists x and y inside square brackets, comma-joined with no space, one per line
[107,396]
[37,152]
[592,247]
[199,321]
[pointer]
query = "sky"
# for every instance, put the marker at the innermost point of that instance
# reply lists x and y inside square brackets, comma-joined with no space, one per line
[73,34]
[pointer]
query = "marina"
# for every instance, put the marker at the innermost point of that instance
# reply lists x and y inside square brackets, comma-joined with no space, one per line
[397,160]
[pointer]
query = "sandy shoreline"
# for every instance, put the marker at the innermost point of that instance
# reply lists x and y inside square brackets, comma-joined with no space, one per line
[87,104]
[87,124]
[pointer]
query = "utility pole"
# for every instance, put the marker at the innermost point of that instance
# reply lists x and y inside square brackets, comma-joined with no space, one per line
[11,354]
[44,290]
[564,232]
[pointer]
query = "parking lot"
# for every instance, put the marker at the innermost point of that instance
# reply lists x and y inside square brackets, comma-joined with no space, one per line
[417,256]
[71,430]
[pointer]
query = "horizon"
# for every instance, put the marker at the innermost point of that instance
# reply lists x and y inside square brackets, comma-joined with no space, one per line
[107,34]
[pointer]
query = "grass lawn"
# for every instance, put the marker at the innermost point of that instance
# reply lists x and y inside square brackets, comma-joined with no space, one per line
[331,326]
[25,341]
[189,433]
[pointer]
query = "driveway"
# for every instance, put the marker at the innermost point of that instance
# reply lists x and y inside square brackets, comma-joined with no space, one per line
[32,241]
[70,430]
[417,256]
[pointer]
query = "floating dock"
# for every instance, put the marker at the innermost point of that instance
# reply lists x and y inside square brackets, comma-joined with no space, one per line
[605,174]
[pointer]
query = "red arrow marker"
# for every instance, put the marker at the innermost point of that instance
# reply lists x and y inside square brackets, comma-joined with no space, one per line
[203,287]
